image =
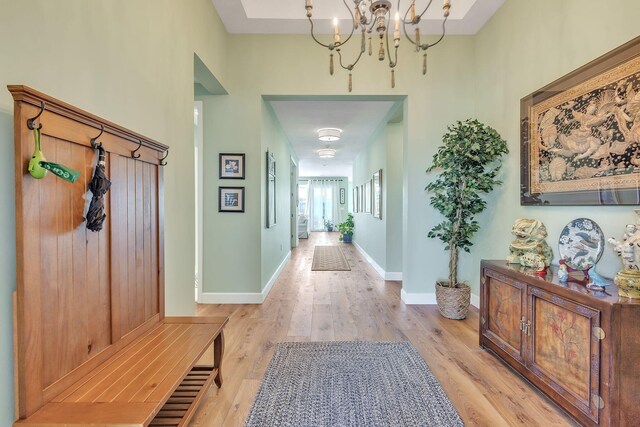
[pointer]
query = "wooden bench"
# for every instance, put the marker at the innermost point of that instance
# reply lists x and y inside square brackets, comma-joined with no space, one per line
[152,381]
[92,343]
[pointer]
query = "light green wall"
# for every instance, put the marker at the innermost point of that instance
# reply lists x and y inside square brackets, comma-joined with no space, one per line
[130,62]
[524,47]
[7,267]
[276,240]
[392,196]
[381,238]
[371,233]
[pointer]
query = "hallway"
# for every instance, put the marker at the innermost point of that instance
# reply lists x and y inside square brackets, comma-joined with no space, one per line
[359,305]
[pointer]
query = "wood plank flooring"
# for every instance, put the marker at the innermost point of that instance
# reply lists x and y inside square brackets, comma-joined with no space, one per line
[358,305]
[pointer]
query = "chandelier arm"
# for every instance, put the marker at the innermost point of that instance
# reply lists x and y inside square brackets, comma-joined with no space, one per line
[404,29]
[442,36]
[426,8]
[315,39]
[392,64]
[332,46]
[351,66]
[353,26]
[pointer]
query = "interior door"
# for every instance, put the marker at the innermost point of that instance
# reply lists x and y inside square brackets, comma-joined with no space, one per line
[503,313]
[564,351]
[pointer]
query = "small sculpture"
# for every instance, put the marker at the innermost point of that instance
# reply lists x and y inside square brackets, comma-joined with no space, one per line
[629,249]
[529,248]
[563,274]
[628,280]
[596,281]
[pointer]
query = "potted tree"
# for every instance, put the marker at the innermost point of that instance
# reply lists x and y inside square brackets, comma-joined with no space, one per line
[346,229]
[469,160]
[328,225]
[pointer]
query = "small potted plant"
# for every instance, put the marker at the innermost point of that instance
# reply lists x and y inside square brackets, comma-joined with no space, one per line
[346,229]
[328,225]
[469,160]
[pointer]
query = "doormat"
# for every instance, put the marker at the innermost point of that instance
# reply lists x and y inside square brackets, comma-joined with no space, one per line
[329,258]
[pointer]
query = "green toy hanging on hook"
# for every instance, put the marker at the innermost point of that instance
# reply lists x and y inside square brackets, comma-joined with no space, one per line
[38,165]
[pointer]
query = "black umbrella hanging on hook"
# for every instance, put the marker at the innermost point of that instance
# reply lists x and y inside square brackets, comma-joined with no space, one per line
[99,186]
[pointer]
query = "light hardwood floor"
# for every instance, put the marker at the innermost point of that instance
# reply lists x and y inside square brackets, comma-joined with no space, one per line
[307,305]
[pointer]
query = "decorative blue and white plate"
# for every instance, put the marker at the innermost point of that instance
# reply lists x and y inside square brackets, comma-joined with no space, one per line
[581,243]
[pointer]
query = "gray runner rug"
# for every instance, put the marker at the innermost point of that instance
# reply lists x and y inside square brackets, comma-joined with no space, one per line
[349,384]
[329,258]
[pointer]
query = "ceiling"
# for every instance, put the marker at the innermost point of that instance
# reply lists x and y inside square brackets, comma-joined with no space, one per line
[289,16]
[358,120]
[300,119]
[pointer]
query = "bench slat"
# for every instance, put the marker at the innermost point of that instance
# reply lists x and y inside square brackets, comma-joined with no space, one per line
[56,414]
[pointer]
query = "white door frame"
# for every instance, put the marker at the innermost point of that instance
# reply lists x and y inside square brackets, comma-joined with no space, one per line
[199,202]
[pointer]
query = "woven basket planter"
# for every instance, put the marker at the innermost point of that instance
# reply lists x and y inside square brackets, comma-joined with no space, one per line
[453,303]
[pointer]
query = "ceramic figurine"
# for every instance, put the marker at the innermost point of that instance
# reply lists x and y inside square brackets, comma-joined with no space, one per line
[628,280]
[540,268]
[529,248]
[563,274]
[596,281]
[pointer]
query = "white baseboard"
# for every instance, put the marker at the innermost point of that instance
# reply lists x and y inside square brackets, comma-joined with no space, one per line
[274,276]
[393,275]
[245,297]
[384,274]
[429,298]
[414,298]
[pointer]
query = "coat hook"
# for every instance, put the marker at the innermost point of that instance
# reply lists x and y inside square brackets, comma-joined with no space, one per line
[162,160]
[31,123]
[94,140]
[134,152]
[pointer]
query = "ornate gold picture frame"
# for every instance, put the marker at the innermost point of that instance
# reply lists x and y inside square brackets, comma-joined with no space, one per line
[580,139]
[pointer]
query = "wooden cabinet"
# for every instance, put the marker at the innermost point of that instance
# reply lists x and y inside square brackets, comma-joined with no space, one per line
[579,347]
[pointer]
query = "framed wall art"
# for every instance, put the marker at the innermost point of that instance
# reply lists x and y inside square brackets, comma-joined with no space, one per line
[367,197]
[230,199]
[231,166]
[271,190]
[356,200]
[361,197]
[377,194]
[580,135]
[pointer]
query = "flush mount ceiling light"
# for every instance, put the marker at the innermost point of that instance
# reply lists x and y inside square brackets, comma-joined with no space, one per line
[329,134]
[327,153]
[370,15]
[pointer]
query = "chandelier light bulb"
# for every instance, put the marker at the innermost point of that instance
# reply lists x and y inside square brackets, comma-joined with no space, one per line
[329,134]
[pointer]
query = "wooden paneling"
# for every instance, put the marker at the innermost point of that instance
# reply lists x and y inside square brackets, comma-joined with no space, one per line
[81,296]
[135,240]
[74,301]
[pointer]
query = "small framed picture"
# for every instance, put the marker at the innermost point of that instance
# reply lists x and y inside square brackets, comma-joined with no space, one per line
[230,199]
[231,166]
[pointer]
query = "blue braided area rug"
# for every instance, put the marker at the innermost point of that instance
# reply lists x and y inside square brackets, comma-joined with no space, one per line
[349,384]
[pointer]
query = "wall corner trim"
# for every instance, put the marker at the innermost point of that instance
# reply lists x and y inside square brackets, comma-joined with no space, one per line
[245,297]
[386,275]
[429,298]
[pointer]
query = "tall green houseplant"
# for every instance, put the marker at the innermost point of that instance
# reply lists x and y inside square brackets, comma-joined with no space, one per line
[469,160]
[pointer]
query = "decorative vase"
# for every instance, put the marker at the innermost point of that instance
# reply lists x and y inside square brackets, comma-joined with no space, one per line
[628,282]
[453,303]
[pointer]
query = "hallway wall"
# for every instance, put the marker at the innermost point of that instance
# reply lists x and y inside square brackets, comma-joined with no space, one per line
[130,62]
[542,45]
[381,239]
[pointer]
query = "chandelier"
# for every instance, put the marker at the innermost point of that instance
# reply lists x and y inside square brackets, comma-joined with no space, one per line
[370,15]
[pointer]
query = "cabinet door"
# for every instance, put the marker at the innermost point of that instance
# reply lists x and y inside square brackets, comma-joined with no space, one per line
[563,349]
[503,310]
